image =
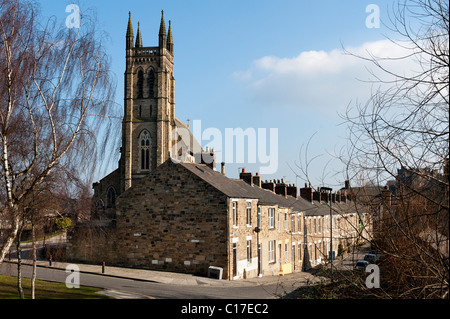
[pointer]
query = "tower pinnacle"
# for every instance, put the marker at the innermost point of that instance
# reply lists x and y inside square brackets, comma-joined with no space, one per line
[162,32]
[138,38]
[170,39]
[130,35]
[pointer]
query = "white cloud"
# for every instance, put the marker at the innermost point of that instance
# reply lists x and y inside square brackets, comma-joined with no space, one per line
[319,79]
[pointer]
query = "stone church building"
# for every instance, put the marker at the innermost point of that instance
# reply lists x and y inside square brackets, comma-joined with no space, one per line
[183,214]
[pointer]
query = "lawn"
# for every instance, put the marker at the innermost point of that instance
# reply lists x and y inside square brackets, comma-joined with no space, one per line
[45,290]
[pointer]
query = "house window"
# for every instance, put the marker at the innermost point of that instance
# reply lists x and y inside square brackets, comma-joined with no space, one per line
[293,254]
[235,217]
[271,218]
[249,213]
[272,245]
[286,253]
[285,221]
[249,251]
[145,150]
[293,223]
[299,222]
[279,220]
[320,225]
[300,251]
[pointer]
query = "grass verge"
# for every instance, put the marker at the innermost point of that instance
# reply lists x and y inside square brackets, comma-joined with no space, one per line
[45,290]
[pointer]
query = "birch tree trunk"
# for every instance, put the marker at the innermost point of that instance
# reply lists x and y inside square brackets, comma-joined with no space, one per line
[19,266]
[33,275]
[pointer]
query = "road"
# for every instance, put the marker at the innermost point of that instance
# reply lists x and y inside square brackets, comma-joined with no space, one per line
[157,290]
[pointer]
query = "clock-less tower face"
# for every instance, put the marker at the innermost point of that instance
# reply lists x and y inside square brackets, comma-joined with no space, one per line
[149,106]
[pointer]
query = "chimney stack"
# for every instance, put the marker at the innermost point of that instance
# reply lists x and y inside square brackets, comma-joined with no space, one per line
[257,180]
[292,190]
[317,196]
[325,196]
[269,185]
[246,177]
[281,188]
[307,193]
[347,184]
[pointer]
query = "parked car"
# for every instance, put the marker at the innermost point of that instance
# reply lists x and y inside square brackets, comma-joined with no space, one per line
[361,265]
[376,253]
[372,258]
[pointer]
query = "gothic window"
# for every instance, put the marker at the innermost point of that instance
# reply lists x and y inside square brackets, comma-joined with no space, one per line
[151,84]
[145,150]
[140,85]
[111,197]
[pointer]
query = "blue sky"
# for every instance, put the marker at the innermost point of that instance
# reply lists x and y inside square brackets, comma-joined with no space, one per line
[258,64]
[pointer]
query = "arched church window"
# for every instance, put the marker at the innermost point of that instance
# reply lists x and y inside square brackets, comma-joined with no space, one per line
[140,85]
[111,197]
[145,150]
[151,84]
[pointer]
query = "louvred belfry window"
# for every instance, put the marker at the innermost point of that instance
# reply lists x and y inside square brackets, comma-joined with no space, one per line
[140,85]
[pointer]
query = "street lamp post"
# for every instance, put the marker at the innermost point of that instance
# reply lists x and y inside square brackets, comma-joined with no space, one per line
[330,254]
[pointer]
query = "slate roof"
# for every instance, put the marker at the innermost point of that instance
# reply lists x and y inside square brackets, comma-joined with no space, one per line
[239,189]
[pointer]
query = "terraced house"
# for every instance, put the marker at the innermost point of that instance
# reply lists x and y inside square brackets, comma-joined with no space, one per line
[185,215]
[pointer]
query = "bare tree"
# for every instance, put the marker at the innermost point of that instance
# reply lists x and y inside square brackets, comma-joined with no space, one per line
[56,91]
[400,137]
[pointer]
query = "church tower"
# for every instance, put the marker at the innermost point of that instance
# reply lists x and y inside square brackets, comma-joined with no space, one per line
[149,105]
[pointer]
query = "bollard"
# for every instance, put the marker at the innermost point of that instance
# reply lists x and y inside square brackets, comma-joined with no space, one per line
[50,261]
[103,267]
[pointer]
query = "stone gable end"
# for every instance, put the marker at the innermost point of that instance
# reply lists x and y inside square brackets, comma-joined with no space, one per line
[172,220]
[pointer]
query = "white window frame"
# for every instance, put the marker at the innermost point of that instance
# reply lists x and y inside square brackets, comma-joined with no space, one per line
[235,213]
[248,210]
[299,223]
[271,213]
[272,251]
[249,251]
[299,252]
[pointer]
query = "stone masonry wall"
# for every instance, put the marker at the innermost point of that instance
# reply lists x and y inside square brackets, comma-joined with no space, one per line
[172,220]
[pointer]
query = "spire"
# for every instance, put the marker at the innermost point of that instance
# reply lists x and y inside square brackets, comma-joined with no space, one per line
[170,39]
[162,32]
[138,38]
[130,26]
[129,36]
